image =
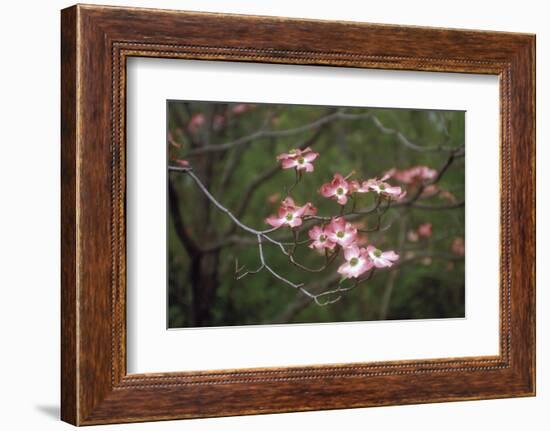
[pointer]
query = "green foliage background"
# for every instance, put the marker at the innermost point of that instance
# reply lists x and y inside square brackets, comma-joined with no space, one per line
[422,289]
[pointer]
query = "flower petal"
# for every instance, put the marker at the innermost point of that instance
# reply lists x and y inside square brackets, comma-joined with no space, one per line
[308,167]
[274,221]
[351,252]
[327,190]
[342,199]
[288,163]
[310,157]
[390,255]
[296,221]
[315,232]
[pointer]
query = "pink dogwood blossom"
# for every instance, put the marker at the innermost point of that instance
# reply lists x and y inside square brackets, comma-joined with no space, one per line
[197,120]
[412,175]
[412,236]
[432,190]
[338,189]
[299,159]
[446,194]
[425,230]
[357,262]
[429,191]
[308,208]
[181,162]
[218,122]
[171,140]
[319,236]
[290,214]
[274,198]
[341,232]
[382,259]
[292,154]
[241,108]
[381,187]
[458,247]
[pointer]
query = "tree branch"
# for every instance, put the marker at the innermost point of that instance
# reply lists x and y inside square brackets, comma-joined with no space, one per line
[430,207]
[260,235]
[263,133]
[339,115]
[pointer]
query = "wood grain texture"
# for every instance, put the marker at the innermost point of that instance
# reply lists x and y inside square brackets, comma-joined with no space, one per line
[96,41]
[69,330]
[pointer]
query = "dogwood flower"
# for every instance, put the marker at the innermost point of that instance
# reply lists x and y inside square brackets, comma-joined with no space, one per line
[290,155]
[458,246]
[382,188]
[341,232]
[197,120]
[299,159]
[357,262]
[338,189]
[382,259]
[291,214]
[308,208]
[320,239]
[240,108]
[273,198]
[430,191]
[181,162]
[412,236]
[412,175]
[171,140]
[218,121]
[425,230]
[446,194]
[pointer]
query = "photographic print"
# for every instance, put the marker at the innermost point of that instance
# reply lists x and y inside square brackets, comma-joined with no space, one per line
[268,212]
[284,214]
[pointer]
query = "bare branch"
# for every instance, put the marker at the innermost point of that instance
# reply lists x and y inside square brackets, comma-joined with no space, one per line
[407,142]
[339,115]
[218,205]
[264,133]
[451,206]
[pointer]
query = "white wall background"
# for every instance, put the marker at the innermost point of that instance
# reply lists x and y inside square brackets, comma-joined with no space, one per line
[29,215]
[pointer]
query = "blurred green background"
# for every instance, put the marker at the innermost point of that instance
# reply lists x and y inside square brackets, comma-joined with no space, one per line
[204,246]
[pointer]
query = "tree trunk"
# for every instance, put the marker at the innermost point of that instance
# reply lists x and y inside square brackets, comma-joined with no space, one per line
[204,283]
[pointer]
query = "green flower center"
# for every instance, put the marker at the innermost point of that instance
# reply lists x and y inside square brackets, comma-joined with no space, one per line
[377,253]
[340,190]
[322,238]
[354,261]
[382,187]
[289,216]
[340,234]
[292,151]
[301,160]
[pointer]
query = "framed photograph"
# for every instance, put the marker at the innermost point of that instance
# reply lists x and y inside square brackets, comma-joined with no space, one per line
[265,215]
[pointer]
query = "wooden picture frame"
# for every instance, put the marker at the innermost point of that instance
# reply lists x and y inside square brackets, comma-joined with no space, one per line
[95,43]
